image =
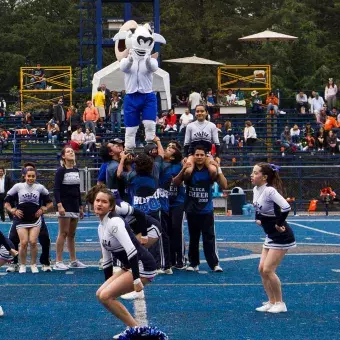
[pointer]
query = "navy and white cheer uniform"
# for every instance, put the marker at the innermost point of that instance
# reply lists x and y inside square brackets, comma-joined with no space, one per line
[118,240]
[29,199]
[5,246]
[200,215]
[67,191]
[272,209]
[201,133]
[153,226]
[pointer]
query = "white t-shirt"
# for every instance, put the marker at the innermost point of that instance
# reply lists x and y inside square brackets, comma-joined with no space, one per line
[194,100]
[186,119]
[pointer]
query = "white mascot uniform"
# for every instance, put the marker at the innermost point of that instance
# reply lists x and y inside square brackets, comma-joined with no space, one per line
[138,65]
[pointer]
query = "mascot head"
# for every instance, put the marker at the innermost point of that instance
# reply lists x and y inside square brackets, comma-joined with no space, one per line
[138,38]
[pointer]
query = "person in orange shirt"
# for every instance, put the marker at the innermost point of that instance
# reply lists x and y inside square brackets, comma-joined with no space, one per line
[90,116]
[99,103]
[272,103]
[330,123]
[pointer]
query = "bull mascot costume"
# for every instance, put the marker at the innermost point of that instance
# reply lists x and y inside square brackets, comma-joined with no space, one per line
[133,47]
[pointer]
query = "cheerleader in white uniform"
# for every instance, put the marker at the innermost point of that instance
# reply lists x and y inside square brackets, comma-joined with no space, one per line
[271,213]
[7,252]
[117,239]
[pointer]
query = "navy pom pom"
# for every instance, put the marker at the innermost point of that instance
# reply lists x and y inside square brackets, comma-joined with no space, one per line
[143,333]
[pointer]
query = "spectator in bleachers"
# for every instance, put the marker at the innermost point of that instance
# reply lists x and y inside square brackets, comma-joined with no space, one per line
[160,122]
[272,103]
[334,112]
[295,134]
[27,120]
[171,121]
[256,101]
[60,116]
[229,137]
[302,102]
[194,100]
[286,138]
[331,141]
[308,129]
[185,119]
[308,142]
[330,123]
[250,136]
[116,111]
[321,117]
[230,98]
[181,100]
[89,141]
[73,119]
[210,101]
[3,139]
[330,93]
[38,78]
[317,104]
[52,132]
[91,115]
[320,139]
[107,94]
[99,103]
[3,107]
[77,139]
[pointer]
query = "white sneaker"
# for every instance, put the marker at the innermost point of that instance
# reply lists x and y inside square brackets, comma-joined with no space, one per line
[265,307]
[279,307]
[77,264]
[134,295]
[164,271]
[1,311]
[34,269]
[192,269]
[117,336]
[87,150]
[12,268]
[46,268]
[60,266]
[218,269]
[22,269]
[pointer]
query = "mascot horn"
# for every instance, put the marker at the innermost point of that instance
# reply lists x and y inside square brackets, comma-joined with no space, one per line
[134,44]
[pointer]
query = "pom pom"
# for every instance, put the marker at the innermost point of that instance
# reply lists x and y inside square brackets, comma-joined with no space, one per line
[143,333]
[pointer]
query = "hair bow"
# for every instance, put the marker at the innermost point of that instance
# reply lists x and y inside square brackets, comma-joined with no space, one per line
[275,168]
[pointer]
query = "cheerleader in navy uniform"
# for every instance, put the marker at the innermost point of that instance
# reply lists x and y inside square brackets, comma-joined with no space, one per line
[68,199]
[7,252]
[117,239]
[27,216]
[271,213]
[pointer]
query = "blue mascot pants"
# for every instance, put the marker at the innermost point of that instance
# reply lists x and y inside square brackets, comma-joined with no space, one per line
[136,104]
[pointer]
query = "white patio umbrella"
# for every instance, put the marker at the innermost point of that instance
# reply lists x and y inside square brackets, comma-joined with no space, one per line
[193,60]
[268,36]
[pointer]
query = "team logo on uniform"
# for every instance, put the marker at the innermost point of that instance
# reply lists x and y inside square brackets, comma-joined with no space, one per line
[201,135]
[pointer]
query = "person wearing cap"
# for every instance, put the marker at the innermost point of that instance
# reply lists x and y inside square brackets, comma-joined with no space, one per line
[90,116]
[116,146]
[330,93]
[256,102]
[301,102]
[317,104]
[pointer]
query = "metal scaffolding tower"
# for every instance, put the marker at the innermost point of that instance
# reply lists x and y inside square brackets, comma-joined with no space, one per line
[91,40]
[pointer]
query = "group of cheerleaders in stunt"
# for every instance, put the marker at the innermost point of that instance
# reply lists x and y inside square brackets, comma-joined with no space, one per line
[122,238]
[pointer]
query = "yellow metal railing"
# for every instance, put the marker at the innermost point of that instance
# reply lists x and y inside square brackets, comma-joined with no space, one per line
[58,81]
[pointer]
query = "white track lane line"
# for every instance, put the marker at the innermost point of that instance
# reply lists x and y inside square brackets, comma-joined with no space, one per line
[314,229]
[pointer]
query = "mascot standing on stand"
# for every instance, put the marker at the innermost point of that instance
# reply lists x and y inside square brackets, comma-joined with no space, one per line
[138,65]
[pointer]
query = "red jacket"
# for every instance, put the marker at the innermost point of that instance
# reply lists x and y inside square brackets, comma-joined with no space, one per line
[171,120]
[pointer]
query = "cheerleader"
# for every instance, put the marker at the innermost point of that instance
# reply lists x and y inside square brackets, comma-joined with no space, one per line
[117,239]
[68,199]
[27,216]
[271,213]
[7,252]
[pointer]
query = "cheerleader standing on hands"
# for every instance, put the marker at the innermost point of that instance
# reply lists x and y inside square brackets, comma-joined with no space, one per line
[117,239]
[271,213]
